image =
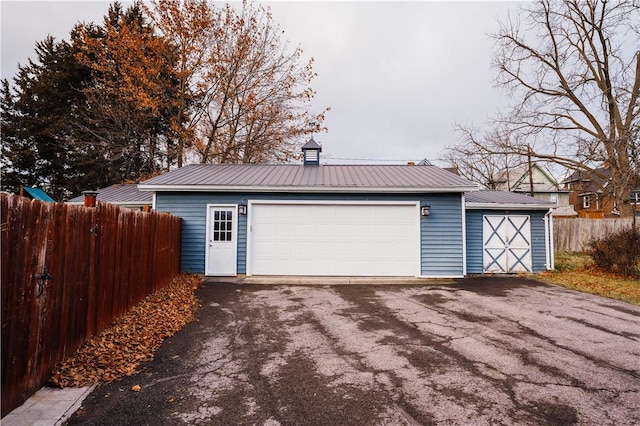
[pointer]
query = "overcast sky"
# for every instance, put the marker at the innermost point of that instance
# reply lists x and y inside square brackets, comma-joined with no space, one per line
[397,76]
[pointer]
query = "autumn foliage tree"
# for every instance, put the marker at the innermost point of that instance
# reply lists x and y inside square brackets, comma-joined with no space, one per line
[89,112]
[130,98]
[246,95]
[189,25]
[150,88]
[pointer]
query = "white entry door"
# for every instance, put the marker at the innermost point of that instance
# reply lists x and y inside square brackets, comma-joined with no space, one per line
[222,240]
[507,244]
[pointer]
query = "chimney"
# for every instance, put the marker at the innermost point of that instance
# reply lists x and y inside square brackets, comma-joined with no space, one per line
[90,198]
[411,163]
[311,153]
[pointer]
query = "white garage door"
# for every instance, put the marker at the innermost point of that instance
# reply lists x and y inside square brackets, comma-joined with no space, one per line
[337,240]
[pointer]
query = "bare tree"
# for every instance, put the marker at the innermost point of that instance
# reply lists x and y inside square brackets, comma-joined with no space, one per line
[572,68]
[478,164]
[575,70]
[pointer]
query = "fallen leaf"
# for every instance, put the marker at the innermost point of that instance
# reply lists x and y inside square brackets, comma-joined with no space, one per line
[133,338]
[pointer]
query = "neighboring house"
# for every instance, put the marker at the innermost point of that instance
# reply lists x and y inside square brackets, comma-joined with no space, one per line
[589,195]
[635,200]
[35,194]
[123,195]
[344,220]
[544,185]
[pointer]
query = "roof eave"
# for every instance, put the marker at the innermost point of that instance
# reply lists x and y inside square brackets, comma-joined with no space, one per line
[307,189]
[117,203]
[508,206]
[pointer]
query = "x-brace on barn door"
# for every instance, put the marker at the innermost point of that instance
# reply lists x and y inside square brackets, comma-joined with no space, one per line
[506,244]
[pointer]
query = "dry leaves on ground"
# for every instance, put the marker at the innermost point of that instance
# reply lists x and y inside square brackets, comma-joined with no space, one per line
[133,338]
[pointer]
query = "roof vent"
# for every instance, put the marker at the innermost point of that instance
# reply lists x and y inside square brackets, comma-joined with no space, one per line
[311,152]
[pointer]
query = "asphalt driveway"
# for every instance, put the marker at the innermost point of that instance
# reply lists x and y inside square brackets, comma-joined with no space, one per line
[482,351]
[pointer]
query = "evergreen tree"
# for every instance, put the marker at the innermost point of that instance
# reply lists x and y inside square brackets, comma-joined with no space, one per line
[90,112]
[37,142]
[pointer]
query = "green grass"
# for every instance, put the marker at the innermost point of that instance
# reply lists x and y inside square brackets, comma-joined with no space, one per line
[568,261]
[576,271]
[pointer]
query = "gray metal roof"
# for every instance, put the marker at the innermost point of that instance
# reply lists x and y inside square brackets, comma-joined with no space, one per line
[119,194]
[488,198]
[324,178]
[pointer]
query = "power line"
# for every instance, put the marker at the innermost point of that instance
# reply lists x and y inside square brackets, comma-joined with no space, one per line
[328,157]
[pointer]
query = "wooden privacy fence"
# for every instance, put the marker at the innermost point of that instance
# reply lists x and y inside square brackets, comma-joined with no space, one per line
[67,273]
[574,234]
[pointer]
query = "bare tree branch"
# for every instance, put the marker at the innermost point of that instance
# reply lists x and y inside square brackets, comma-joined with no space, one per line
[573,70]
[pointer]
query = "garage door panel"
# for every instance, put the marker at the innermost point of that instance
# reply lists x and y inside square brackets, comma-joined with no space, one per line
[367,240]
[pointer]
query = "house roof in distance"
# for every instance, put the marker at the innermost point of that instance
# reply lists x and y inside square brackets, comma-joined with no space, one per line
[300,178]
[517,179]
[37,194]
[126,193]
[503,199]
[592,182]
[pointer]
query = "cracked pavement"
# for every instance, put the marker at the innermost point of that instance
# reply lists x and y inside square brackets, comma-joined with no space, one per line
[481,351]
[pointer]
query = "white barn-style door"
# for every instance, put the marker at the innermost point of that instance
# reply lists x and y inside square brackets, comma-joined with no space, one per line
[222,240]
[506,244]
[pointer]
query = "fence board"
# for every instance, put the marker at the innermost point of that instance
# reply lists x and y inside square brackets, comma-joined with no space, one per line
[574,234]
[102,261]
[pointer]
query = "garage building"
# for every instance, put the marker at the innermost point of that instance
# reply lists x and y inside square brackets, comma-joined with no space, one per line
[321,220]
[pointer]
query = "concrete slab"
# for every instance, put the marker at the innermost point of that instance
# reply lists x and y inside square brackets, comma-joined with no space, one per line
[48,407]
[305,280]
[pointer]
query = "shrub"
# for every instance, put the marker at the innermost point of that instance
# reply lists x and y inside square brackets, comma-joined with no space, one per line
[618,253]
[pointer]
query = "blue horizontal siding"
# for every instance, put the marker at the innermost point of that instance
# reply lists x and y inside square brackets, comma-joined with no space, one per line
[441,236]
[441,231]
[474,238]
[192,208]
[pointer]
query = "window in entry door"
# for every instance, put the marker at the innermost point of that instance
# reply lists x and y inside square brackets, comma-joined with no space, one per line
[222,225]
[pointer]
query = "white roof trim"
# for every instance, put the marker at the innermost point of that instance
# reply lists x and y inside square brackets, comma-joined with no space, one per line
[507,206]
[319,189]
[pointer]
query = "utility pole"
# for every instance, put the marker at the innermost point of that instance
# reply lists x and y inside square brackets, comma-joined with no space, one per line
[530,170]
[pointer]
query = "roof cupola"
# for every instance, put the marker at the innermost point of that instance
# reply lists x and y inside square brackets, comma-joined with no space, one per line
[311,152]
